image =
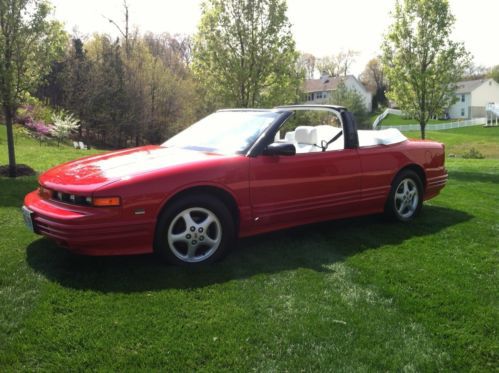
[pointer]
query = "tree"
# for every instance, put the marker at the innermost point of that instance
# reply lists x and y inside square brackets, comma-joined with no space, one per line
[306,63]
[421,61]
[64,125]
[475,72]
[494,73]
[75,78]
[109,100]
[126,98]
[338,64]
[373,77]
[351,99]
[244,53]
[28,44]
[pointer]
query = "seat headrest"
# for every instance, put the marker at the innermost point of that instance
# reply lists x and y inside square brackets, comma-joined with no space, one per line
[327,132]
[289,136]
[306,135]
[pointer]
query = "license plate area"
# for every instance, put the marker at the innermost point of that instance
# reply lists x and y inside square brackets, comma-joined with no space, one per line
[28,218]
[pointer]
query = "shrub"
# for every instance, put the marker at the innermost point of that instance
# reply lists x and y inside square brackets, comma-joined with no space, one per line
[473,154]
[64,124]
[39,130]
[25,115]
[33,110]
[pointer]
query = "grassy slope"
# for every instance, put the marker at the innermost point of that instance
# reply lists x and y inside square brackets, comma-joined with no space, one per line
[39,156]
[361,294]
[396,120]
[459,141]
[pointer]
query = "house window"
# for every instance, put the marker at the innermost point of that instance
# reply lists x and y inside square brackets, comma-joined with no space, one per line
[318,95]
[462,112]
[463,98]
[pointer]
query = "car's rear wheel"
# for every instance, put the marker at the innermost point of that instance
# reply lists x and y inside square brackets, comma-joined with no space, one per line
[194,230]
[406,197]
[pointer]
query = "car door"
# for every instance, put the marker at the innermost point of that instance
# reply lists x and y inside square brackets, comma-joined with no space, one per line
[303,188]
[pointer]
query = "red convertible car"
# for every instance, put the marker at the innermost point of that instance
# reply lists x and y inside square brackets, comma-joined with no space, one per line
[233,174]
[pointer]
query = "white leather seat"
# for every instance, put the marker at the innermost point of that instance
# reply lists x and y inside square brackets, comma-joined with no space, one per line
[326,133]
[308,139]
[290,137]
[305,139]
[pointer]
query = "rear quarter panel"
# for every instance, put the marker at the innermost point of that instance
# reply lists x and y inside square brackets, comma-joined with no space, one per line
[381,164]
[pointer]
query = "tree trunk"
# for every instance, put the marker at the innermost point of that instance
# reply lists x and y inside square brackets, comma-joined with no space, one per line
[423,130]
[10,140]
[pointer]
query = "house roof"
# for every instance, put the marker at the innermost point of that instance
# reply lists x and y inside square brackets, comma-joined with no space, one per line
[324,84]
[468,86]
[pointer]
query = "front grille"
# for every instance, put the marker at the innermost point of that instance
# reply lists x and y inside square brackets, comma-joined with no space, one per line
[71,198]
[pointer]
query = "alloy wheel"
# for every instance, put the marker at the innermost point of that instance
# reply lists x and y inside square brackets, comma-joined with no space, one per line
[194,234]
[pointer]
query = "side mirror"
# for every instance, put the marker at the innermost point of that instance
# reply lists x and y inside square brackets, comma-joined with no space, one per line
[280,148]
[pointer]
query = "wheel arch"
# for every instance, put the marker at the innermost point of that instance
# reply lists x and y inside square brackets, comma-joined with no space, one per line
[220,193]
[415,168]
[389,204]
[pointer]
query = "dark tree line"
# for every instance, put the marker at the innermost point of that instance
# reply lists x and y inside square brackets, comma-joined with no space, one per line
[126,91]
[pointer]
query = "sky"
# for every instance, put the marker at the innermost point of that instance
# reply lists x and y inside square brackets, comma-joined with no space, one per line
[320,27]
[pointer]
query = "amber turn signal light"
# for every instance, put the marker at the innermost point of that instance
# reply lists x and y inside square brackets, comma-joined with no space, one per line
[106,201]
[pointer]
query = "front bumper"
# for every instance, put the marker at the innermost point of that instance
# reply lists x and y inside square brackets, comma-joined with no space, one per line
[90,230]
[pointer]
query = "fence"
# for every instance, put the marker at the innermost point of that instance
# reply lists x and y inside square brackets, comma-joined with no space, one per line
[439,127]
[492,111]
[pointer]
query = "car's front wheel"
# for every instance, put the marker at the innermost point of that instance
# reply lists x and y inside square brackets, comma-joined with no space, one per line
[194,230]
[406,196]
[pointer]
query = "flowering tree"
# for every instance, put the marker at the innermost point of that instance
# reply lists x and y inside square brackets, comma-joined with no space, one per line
[64,125]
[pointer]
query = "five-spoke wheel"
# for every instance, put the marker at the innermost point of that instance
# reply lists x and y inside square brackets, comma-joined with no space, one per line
[194,234]
[194,229]
[405,198]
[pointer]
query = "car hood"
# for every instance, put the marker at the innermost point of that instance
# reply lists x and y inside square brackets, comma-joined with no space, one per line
[90,173]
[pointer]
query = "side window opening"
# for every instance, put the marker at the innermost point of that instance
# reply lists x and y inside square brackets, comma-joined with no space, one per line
[311,130]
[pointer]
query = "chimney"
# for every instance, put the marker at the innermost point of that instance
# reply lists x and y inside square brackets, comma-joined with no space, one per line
[324,77]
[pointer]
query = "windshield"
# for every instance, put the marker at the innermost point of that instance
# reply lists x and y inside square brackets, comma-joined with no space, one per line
[226,132]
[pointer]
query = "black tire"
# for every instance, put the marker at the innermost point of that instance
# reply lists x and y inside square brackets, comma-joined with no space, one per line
[400,206]
[196,206]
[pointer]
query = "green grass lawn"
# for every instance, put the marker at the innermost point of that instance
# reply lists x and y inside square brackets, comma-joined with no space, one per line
[460,140]
[354,295]
[396,120]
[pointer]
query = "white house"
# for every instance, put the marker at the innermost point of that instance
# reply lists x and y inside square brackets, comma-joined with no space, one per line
[318,91]
[473,96]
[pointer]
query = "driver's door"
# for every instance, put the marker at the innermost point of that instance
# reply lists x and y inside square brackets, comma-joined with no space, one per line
[303,188]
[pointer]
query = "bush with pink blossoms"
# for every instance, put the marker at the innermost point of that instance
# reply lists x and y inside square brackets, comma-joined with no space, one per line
[25,115]
[39,130]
